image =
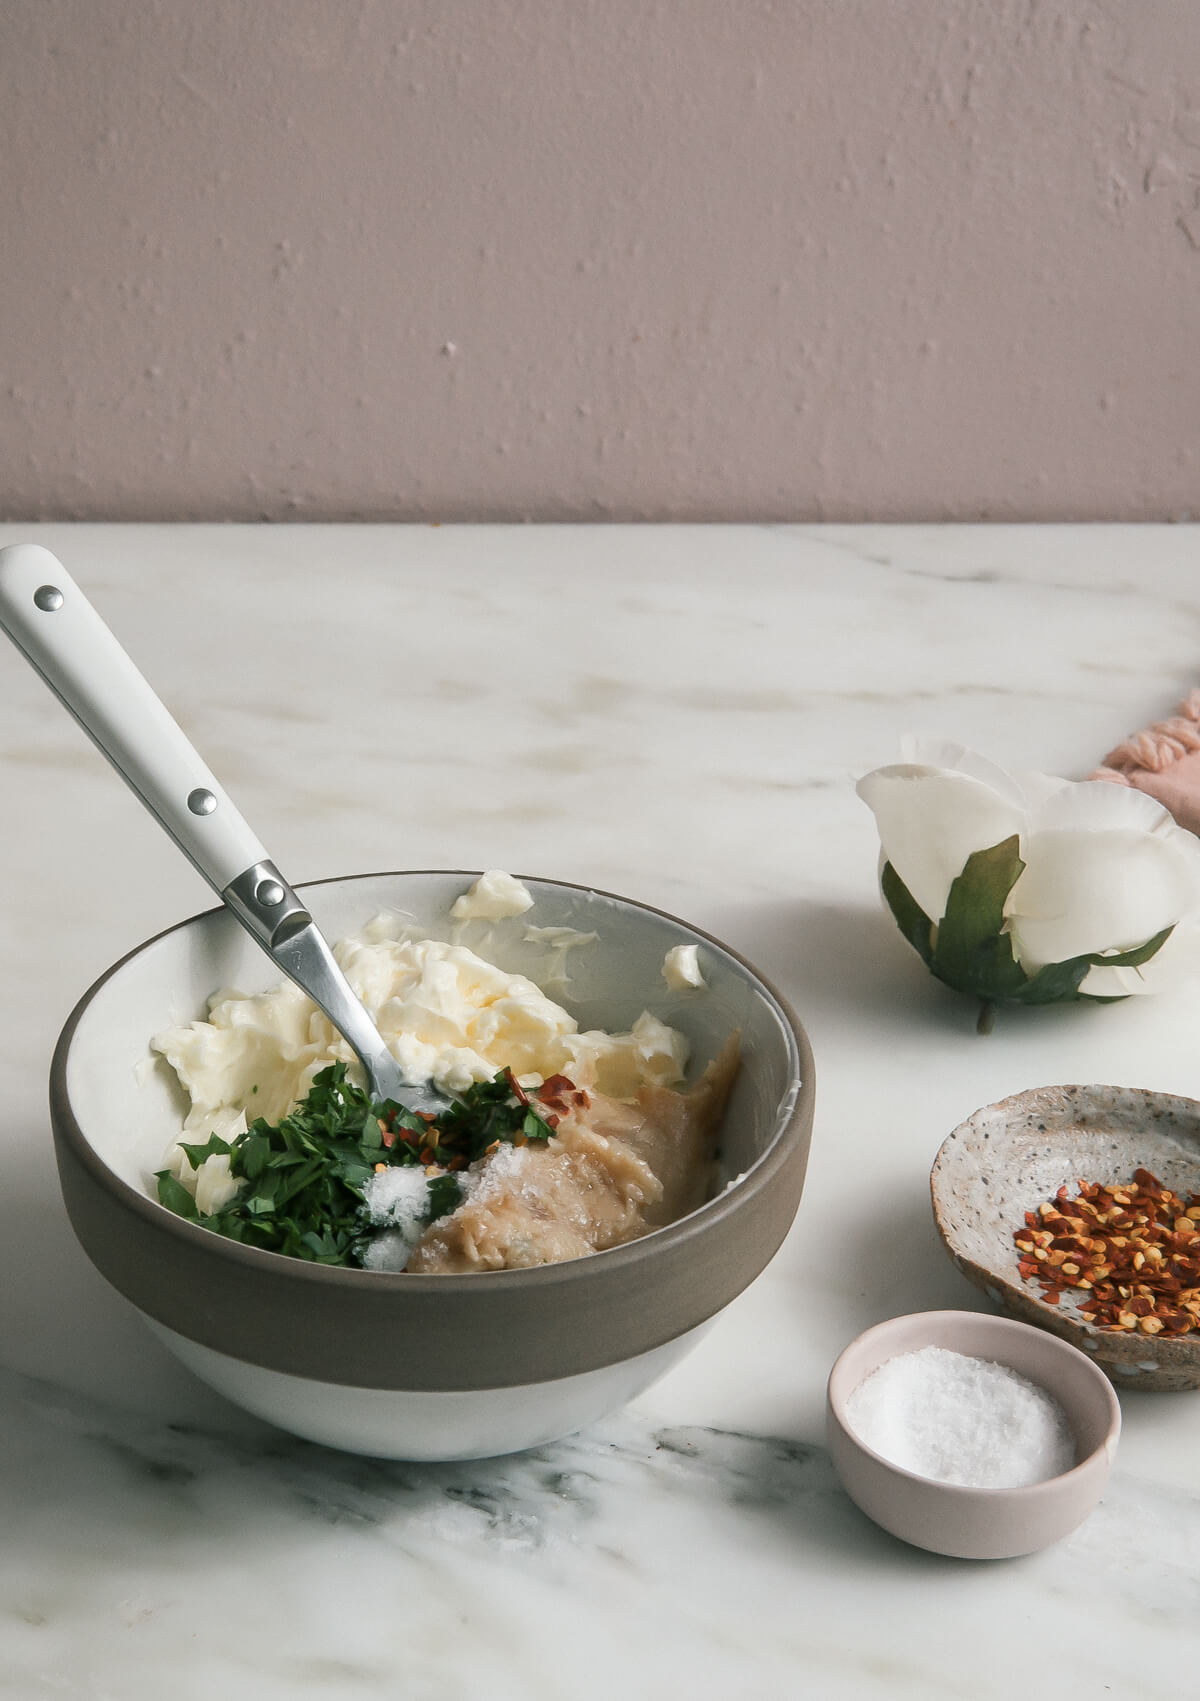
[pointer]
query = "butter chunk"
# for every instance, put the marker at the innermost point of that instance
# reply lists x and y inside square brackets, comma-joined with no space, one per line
[494,897]
[681,968]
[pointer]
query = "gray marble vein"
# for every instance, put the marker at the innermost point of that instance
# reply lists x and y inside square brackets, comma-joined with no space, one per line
[139,1554]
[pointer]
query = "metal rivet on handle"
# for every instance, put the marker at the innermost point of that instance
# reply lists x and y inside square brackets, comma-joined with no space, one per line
[201,802]
[269,893]
[48,598]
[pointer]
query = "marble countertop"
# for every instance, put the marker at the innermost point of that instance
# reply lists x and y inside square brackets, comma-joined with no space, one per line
[678,714]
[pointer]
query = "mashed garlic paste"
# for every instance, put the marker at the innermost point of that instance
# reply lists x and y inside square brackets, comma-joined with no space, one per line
[615,1169]
[640,1155]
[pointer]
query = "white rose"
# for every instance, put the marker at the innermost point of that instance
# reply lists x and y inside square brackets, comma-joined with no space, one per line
[1106,867]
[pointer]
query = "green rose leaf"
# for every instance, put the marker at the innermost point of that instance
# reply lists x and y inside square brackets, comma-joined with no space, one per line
[1059,981]
[1055,983]
[1134,958]
[972,952]
[911,919]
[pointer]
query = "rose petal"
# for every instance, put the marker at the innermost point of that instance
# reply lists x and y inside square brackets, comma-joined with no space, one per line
[1086,891]
[1037,789]
[1024,790]
[930,821]
[917,751]
[1094,806]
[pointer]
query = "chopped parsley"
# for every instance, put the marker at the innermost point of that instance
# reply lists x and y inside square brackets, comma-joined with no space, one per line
[303,1177]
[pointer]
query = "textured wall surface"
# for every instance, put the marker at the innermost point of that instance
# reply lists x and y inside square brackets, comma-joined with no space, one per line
[599,258]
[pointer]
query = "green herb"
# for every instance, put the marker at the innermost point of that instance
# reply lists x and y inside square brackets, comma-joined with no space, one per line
[303,1177]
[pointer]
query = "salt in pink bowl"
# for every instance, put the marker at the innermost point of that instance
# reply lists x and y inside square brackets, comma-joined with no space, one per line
[976,1523]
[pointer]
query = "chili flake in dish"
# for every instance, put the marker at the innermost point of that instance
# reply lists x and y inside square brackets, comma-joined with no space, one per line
[1131,1252]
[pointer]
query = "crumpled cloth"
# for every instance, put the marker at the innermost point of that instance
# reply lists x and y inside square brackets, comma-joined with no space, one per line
[1163,761]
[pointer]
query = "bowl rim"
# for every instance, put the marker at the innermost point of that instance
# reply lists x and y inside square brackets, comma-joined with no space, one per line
[791,1119]
[1111,1347]
[836,1398]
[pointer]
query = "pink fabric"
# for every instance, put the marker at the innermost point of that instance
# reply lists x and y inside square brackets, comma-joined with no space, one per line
[1164,762]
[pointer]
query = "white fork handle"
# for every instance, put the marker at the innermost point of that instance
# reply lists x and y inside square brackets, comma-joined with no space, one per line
[48,617]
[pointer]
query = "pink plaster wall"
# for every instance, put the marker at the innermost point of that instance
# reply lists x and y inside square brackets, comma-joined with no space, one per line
[599,258]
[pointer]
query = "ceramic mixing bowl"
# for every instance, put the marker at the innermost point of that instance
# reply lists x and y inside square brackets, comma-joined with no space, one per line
[429,1366]
[1009,1157]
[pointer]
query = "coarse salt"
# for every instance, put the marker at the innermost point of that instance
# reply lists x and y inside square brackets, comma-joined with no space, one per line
[957,1419]
[397,1201]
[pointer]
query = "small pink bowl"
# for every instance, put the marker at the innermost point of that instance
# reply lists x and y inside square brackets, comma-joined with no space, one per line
[976,1523]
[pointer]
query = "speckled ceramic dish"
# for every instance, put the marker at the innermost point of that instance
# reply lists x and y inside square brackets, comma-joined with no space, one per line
[976,1523]
[1008,1157]
[429,1366]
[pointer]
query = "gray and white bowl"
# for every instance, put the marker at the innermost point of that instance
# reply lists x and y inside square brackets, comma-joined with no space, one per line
[434,1366]
[1008,1157]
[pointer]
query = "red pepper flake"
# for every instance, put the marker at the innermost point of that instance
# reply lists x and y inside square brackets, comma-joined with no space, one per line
[559,1093]
[1138,1259]
[515,1087]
